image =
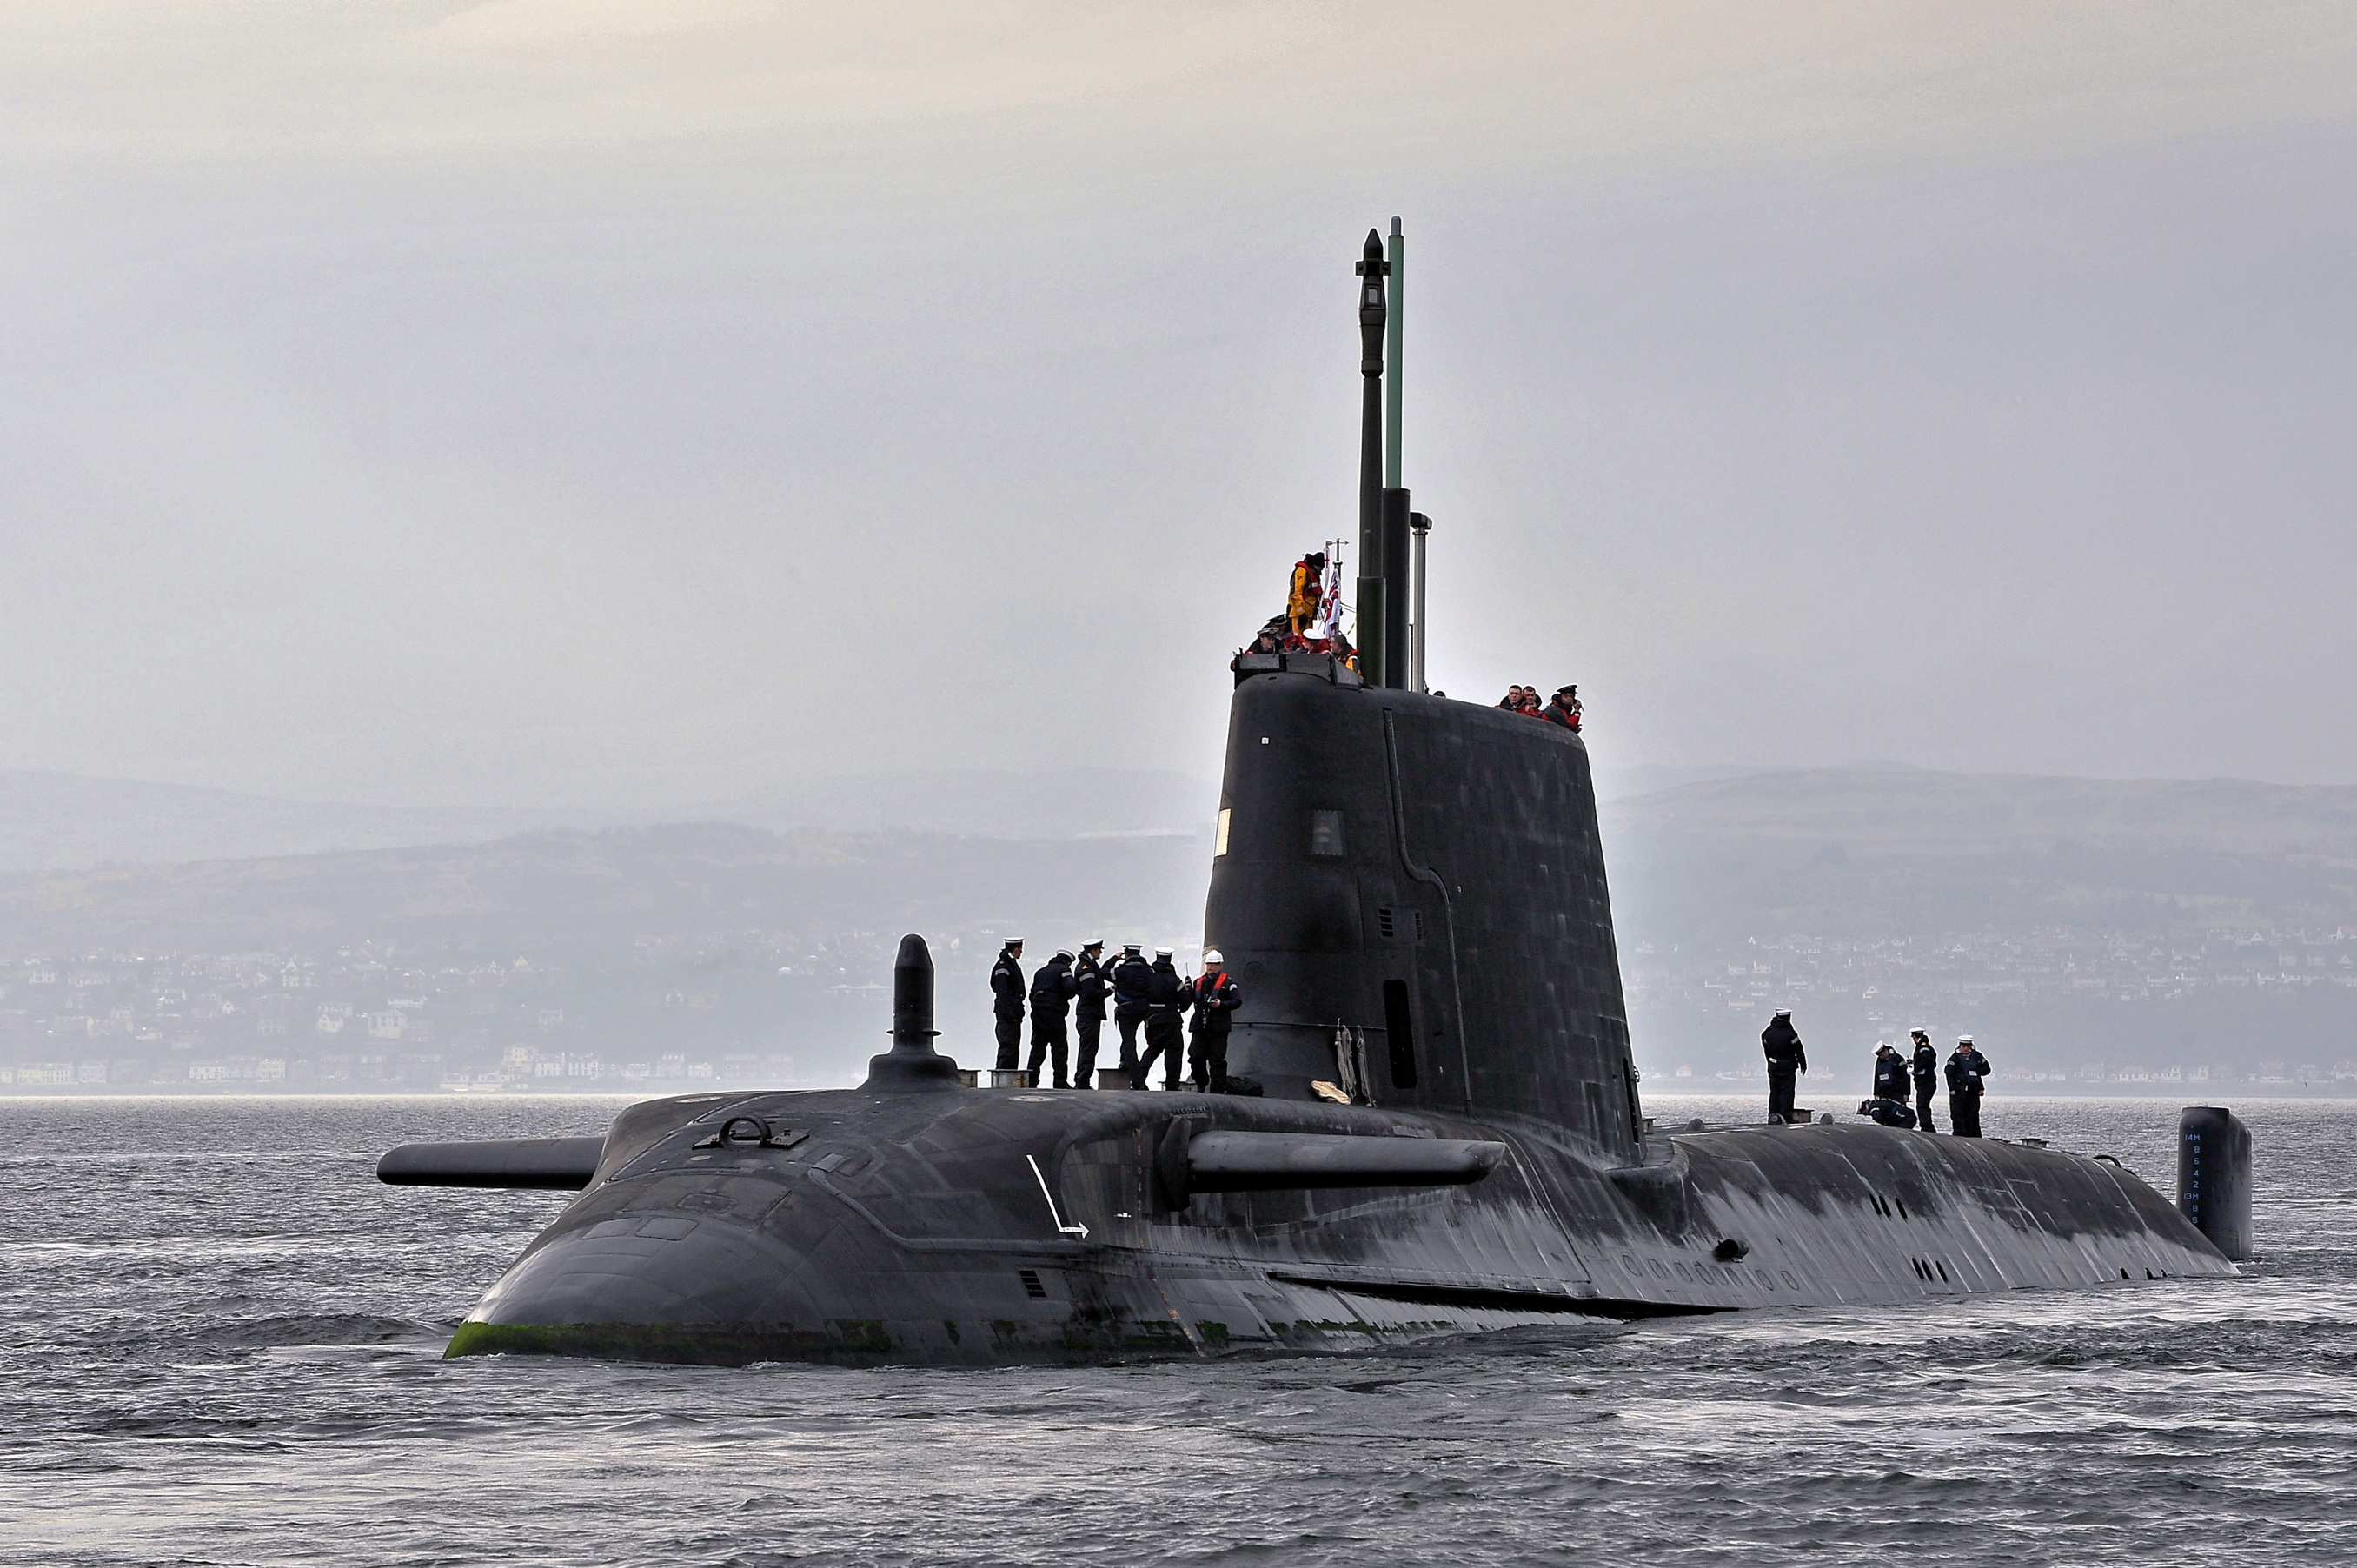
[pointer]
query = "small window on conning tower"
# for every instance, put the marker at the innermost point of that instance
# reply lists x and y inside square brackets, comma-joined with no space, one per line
[1219,838]
[1326,833]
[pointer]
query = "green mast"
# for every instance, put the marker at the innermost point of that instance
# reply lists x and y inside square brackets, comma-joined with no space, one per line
[1392,391]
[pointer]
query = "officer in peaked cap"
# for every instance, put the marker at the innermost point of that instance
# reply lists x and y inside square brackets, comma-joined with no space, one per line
[1925,1068]
[1006,994]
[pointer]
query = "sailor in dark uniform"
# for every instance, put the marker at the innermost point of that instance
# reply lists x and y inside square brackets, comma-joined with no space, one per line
[1781,1044]
[1967,1071]
[1006,991]
[1133,979]
[1890,1080]
[1093,986]
[1926,1067]
[1166,998]
[1051,1001]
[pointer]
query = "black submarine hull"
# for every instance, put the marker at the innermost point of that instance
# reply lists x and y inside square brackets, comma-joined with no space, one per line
[979,1226]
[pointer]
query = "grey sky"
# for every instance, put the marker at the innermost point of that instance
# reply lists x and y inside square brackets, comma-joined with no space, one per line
[622,403]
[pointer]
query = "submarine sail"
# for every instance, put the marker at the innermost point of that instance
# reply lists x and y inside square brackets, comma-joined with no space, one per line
[1448,1135]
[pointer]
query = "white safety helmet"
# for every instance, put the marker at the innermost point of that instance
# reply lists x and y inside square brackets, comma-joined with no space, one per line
[1212,955]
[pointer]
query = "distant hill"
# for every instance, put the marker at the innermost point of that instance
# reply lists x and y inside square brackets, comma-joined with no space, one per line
[609,887]
[63,821]
[2100,926]
[1844,851]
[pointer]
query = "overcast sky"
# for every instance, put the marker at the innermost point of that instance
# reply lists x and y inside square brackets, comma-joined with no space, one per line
[615,402]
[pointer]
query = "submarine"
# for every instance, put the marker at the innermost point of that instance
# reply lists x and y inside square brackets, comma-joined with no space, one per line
[1448,1135]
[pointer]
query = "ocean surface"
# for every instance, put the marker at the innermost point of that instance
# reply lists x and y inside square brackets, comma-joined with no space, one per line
[221,1343]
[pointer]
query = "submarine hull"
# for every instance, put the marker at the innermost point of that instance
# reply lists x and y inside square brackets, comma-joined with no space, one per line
[981,1226]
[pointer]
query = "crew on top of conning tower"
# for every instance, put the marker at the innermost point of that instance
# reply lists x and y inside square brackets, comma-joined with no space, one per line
[1312,621]
[1968,1071]
[1786,1056]
[1562,709]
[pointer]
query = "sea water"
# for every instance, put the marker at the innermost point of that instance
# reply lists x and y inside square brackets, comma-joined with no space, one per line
[222,1345]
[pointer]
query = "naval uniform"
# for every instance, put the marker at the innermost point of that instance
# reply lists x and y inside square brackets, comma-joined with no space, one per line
[1133,983]
[1088,1017]
[1967,1071]
[1006,1008]
[1786,1056]
[1927,1080]
[1166,998]
[1052,997]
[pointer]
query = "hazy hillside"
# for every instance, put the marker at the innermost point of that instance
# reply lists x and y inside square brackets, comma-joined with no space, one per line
[608,887]
[1857,852]
[2078,926]
[58,819]
[2104,927]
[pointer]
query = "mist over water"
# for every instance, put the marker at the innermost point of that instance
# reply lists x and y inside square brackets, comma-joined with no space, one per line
[223,1343]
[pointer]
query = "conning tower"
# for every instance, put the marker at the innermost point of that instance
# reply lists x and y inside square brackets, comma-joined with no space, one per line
[1419,876]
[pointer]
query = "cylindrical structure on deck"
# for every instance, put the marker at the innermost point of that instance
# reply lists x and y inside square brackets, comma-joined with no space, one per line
[2213,1176]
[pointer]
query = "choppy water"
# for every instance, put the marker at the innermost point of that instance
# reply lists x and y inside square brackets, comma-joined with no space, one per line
[220,1343]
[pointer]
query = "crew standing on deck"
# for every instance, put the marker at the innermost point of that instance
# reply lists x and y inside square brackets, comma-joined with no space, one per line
[1166,998]
[1051,1001]
[1215,997]
[1781,1043]
[1007,1003]
[1927,1078]
[1132,983]
[1889,1106]
[1967,1071]
[1091,988]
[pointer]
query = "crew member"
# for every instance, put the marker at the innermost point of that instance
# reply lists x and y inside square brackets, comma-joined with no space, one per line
[1512,701]
[1007,1003]
[1166,998]
[1563,709]
[1309,585]
[1967,1071]
[1215,996]
[1927,1078]
[1133,981]
[1889,1104]
[1052,1000]
[1091,987]
[1781,1043]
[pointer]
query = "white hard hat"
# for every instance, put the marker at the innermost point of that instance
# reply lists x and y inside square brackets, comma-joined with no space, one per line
[1211,955]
